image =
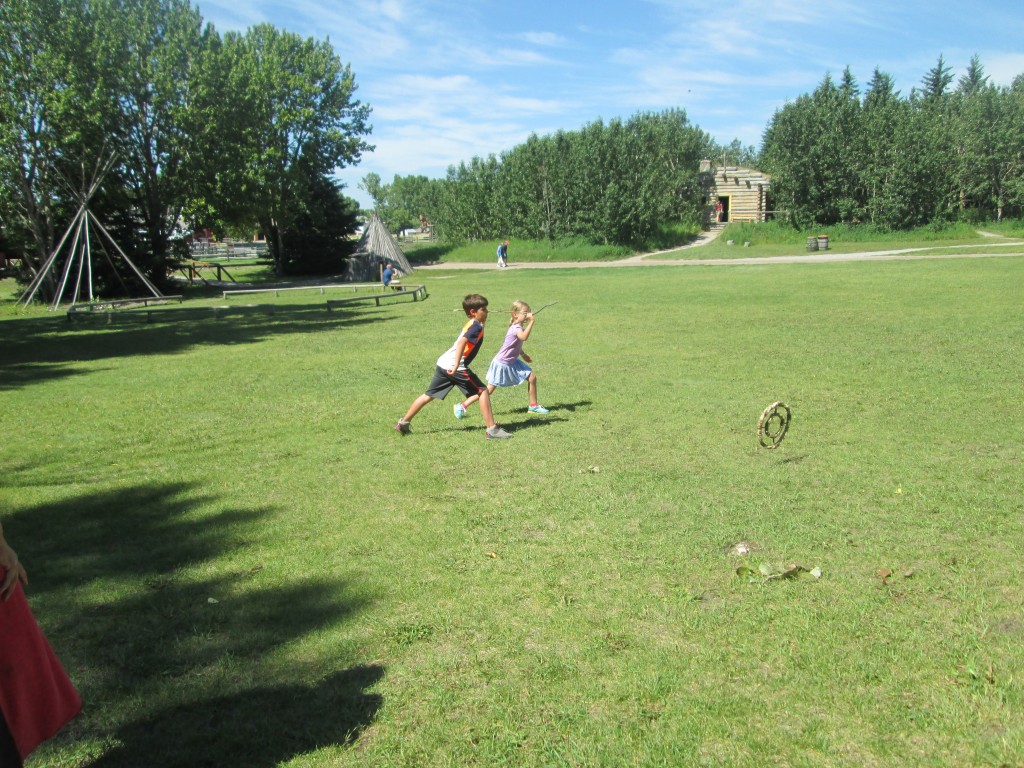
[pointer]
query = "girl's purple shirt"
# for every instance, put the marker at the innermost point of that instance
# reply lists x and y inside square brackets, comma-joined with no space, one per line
[511,347]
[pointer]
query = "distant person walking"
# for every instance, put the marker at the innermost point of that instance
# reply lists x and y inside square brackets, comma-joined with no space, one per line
[503,254]
[506,369]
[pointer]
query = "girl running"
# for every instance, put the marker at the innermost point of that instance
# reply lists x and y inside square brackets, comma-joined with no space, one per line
[506,369]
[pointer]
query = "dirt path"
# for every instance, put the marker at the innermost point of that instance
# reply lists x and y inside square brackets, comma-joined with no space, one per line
[654,260]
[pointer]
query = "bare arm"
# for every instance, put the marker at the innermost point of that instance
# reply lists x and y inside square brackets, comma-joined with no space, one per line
[524,334]
[460,347]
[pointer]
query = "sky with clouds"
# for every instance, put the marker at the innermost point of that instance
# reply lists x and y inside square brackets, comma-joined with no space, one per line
[452,79]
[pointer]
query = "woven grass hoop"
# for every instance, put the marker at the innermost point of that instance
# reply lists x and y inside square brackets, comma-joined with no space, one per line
[773,424]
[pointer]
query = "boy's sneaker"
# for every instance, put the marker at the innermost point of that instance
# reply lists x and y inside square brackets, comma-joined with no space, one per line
[538,409]
[460,410]
[497,433]
[404,427]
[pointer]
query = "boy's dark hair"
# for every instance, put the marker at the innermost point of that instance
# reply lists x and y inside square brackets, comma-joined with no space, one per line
[473,301]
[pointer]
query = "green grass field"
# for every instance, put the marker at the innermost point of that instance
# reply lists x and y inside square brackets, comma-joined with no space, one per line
[521,251]
[765,240]
[240,562]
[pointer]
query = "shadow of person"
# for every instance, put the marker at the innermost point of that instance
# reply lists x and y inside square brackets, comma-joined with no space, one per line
[571,407]
[536,422]
[256,727]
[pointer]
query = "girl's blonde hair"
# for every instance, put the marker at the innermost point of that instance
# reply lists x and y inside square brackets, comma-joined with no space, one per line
[517,307]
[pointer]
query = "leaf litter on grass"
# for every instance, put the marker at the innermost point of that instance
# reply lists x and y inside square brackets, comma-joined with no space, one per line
[771,572]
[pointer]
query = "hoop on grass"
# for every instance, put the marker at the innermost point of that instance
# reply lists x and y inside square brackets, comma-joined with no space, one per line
[772,425]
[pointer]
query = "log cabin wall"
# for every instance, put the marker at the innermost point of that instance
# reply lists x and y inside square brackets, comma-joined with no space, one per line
[742,191]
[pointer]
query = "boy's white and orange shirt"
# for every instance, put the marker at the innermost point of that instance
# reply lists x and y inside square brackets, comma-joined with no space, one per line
[473,331]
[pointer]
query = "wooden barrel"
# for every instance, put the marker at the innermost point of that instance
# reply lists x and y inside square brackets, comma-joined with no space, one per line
[812,243]
[822,242]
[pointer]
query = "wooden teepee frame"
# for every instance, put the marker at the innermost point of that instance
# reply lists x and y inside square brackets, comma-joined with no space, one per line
[80,251]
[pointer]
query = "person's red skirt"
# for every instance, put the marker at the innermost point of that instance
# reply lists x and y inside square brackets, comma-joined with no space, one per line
[36,696]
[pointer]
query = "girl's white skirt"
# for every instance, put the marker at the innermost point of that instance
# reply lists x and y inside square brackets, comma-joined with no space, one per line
[501,375]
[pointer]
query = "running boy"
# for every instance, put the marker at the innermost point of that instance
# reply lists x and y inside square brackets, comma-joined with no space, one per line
[506,369]
[453,370]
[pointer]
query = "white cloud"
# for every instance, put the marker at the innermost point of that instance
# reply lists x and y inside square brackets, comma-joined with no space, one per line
[426,100]
[1003,67]
[363,32]
[392,9]
[448,80]
[548,39]
[521,57]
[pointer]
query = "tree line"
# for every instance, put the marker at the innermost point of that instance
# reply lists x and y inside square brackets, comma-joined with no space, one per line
[943,153]
[836,155]
[614,182]
[244,131]
[240,130]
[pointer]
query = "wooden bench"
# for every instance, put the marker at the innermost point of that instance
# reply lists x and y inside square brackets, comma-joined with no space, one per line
[198,313]
[278,290]
[417,292]
[108,307]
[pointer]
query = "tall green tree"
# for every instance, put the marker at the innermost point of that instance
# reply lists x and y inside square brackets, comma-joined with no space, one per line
[400,203]
[148,52]
[990,131]
[898,163]
[611,183]
[737,153]
[814,148]
[974,79]
[786,154]
[49,129]
[319,242]
[373,186]
[293,116]
[408,198]
[936,82]
[882,170]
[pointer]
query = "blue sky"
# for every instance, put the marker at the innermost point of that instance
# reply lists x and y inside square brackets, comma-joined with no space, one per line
[450,79]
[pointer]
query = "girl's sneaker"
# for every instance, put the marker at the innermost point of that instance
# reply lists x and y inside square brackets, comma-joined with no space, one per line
[460,410]
[538,409]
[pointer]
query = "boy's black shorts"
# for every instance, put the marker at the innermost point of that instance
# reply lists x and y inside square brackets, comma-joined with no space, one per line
[442,383]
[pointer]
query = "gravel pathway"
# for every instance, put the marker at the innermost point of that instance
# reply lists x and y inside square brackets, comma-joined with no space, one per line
[655,259]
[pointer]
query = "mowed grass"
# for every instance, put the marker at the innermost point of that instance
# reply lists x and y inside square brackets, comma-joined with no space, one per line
[241,563]
[776,239]
[747,240]
[519,251]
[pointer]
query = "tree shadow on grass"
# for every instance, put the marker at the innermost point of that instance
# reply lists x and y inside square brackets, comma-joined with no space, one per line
[139,532]
[38,349]
[150,598]
[258,727]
